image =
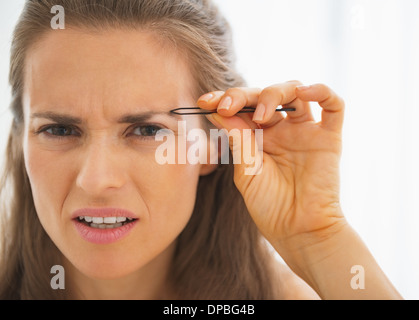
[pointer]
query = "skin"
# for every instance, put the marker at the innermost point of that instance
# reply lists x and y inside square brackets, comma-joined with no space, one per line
[294,201]
[99,79]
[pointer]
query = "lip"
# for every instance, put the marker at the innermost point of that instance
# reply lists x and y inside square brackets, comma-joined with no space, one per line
[103,236]
[103,212]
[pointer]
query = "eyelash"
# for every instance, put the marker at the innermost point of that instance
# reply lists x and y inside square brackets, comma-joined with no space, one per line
[44,129]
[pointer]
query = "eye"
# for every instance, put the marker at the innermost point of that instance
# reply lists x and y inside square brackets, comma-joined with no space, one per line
[59,131]
[145,131]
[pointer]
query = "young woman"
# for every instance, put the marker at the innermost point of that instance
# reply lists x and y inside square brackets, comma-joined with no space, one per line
[82,187]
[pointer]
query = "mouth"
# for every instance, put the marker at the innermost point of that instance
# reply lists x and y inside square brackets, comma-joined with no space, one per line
[104,225]
[105,222]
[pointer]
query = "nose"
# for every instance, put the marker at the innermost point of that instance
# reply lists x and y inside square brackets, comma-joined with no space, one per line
[101,169]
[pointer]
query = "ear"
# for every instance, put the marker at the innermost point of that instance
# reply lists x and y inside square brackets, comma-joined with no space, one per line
[209,167]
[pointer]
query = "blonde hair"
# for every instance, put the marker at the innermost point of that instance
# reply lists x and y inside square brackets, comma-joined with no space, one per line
[220,253]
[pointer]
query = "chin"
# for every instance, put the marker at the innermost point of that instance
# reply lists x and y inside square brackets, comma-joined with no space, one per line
[106,263]
[109,268]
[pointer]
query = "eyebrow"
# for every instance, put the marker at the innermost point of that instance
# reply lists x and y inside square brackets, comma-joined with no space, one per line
[128,118]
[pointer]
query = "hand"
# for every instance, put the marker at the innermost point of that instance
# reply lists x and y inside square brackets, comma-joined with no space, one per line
[297,192]
[294,201]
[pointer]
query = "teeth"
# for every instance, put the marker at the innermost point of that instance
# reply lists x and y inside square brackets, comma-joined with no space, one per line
[106,222]
[109,220]
[105,226]
[97,220]
[116,225]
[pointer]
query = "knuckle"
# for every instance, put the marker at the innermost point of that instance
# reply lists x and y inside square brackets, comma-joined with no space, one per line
[238,95]
[276,93]
[332,96]
[324,88]
[271,91]
[295,82]
[218,93]
[341,102]
[234,92]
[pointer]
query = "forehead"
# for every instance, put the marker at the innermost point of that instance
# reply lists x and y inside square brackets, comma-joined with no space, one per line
[111,68]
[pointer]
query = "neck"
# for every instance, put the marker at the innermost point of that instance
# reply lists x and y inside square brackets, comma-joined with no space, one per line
[147,283]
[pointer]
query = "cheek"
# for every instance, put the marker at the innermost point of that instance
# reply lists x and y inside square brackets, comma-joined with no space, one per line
[48,176]
[170,191]
[164,195]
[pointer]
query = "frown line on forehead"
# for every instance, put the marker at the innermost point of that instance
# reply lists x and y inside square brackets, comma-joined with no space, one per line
[127,118]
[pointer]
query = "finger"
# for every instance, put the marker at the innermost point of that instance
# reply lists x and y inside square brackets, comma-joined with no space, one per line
[247,117]
[245,145]
[302,113]
[277,117]
[232,101]
[333,106]
[280,94]
[210,100]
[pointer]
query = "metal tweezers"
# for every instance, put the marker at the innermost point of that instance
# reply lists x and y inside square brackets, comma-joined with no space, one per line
[202,111]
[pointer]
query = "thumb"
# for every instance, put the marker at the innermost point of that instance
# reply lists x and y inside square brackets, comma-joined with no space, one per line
[245,145]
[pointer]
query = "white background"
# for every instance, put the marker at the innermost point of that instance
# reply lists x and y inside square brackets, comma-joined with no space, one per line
[368,52]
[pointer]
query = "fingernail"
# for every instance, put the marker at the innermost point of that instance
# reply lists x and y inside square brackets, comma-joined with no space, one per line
[206,97]
[259,113]
[225,104]
[302,88]
[214,121]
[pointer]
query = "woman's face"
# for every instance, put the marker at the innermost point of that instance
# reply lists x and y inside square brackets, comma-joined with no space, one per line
[92,103]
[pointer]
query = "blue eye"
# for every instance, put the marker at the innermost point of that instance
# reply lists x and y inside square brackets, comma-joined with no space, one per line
[145,131]
[59,131]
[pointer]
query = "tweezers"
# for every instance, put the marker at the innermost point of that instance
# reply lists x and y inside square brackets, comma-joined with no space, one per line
[244,110]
